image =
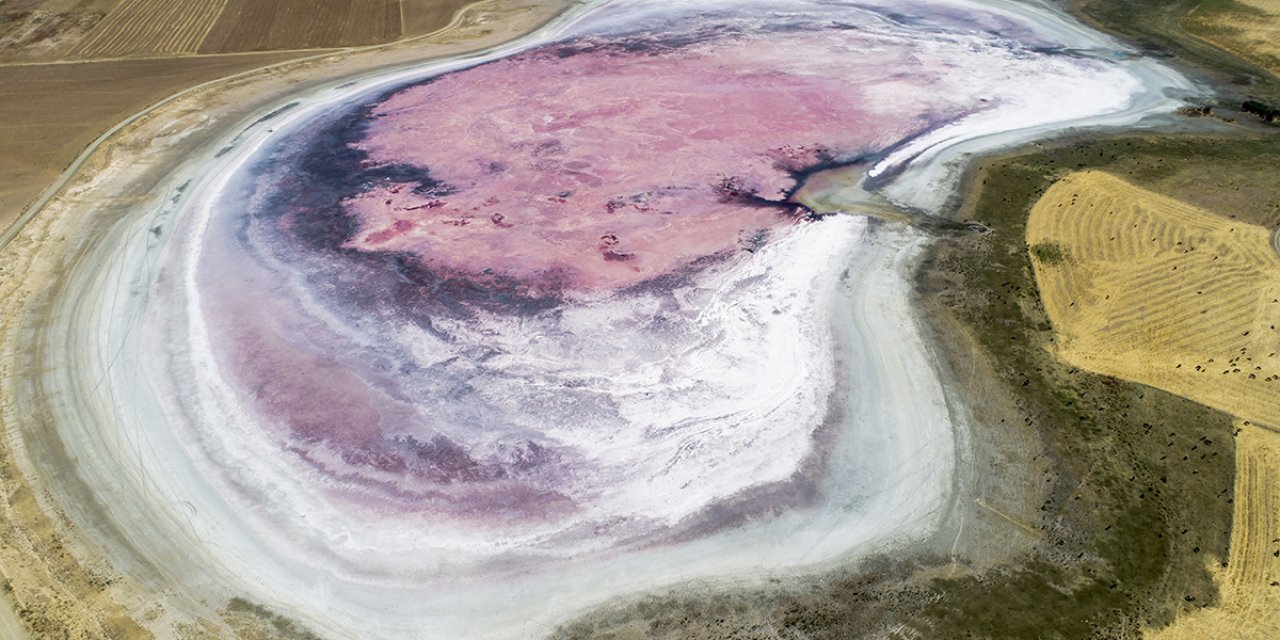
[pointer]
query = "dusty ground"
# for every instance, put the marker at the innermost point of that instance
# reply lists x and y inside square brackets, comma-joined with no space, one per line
[36,30]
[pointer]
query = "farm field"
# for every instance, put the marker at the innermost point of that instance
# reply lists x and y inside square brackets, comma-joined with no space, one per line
[251,25]
[425,16]
[1147,288]
[49,113]
[34,30]
[150,27]
[1248,28]
[128,54]
[1250,598]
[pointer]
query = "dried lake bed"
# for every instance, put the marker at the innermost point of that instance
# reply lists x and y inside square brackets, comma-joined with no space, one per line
[403,363]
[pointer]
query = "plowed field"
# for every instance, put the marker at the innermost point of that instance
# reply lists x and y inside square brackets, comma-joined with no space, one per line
[50,112]
[151,27]
[254,25]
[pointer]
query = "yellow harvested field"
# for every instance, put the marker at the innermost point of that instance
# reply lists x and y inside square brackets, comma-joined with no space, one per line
[151,27]
[1250,29]
[1249,587]
[1147,288]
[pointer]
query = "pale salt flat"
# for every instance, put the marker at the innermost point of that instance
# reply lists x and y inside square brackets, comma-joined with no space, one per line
[764,415]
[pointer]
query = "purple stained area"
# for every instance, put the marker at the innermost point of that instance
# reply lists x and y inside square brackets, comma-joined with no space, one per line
[527,296]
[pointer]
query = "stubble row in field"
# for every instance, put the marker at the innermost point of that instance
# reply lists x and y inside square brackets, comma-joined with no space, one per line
[147,28]
[143,50]
[252,25]
[1249,585]
[1147,288]
[141,27]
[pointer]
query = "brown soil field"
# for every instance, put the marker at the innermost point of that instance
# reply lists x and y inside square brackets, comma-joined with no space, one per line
[50,112]
[424,16]
[1147,288]
[32,30]
[1247,28]
[253,25]
[150,27]
[51,30]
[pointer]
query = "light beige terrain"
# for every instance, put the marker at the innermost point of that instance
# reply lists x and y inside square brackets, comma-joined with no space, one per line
[1147,288]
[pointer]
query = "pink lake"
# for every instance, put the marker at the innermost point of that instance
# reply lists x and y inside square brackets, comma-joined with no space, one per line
[592,169]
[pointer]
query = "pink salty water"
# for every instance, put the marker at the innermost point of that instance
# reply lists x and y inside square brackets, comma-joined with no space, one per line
[602,169]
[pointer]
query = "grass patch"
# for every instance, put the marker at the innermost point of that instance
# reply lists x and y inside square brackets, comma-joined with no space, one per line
[254,621]
[1049,253]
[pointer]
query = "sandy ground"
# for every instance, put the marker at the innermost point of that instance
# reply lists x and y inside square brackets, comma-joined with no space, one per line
[10,626]
[1150,289]
[53,569]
